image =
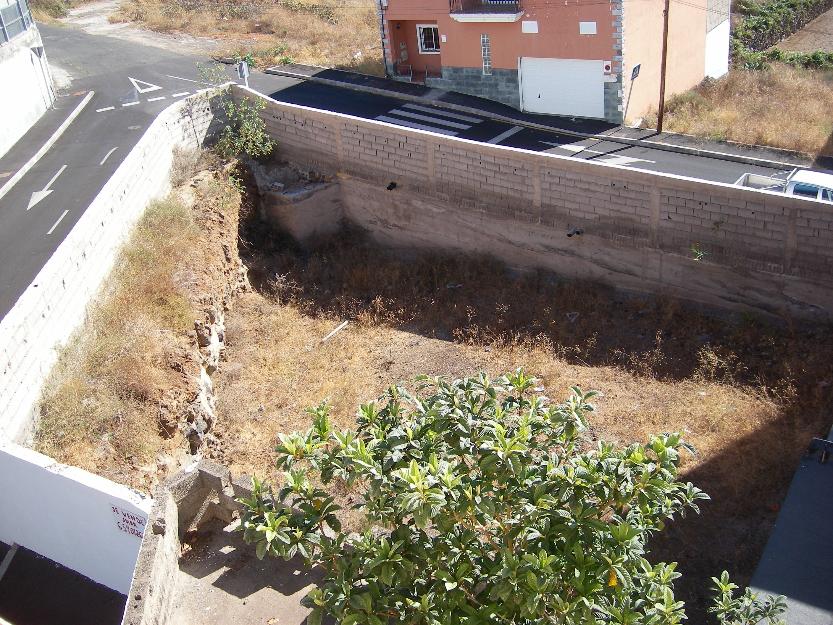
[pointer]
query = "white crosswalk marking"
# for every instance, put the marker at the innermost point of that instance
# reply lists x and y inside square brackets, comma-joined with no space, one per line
[443,112]
[505,135]
[407,124]
[432,119]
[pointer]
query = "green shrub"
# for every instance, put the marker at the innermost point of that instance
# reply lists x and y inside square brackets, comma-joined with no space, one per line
[245,132]
[487,505]
[773,20]
[52,8]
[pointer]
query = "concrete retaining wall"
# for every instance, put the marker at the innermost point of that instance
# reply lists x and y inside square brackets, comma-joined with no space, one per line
[85,522]
[191,498]
[706,242]
[55,304]
[26,75]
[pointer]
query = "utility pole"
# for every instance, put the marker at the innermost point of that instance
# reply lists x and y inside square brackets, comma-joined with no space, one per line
[661,113]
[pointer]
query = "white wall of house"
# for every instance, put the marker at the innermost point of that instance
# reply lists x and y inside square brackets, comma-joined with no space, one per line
[26,80]
[717,50]
[85,522]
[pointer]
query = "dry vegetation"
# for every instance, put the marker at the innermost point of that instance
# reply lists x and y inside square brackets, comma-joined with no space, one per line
[748,394]
[783,107]
[318,32]
[113,401]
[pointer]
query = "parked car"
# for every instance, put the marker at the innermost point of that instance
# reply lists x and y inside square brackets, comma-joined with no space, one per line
[815,185]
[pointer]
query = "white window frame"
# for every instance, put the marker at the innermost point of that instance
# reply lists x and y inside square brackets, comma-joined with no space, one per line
[486,53]
[419,28]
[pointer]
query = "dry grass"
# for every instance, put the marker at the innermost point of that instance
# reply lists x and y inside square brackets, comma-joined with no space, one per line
[100,405]
[321,32]
[781,107]
[112,403]
[749,395]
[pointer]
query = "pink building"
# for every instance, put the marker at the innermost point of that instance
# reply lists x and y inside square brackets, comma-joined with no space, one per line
[559,57]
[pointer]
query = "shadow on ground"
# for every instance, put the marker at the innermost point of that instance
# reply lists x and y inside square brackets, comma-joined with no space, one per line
[479,301]
[222,581]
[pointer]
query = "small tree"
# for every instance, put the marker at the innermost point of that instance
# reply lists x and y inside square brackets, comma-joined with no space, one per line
[486,505]
[245,131]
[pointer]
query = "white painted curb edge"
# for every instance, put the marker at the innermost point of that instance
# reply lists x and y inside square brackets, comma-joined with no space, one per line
[45,147]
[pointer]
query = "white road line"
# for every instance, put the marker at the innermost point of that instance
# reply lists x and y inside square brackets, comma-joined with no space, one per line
[104,160]
[179,95]
[199,82]
[429,119]
[407,124]
[443,112]
[161,97]
[106,108]
[572,147]
[505,135]
[131,104]
[55,225]
[620,159]
[7,561]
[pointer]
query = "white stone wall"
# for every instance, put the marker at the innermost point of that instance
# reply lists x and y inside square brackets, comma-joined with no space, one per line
[85,522]
[25,74]
[55,303]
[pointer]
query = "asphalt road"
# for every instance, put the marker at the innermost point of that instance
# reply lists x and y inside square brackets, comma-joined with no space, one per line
[83,159]
[476,128]
[133,83]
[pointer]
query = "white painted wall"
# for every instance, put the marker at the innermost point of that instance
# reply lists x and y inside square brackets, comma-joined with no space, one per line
[66,514]
[26,75]
[717,50]
[45,316]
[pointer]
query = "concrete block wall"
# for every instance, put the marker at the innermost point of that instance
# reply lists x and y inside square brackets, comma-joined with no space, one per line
[501,85]
[55,304]
[706,242]
[197,495]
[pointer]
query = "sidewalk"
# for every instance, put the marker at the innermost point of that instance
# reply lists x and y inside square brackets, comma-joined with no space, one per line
[28,145]
[583,128]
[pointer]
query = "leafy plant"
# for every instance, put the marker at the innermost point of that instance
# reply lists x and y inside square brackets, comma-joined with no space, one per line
[245,131]
[212,73]
[487,505]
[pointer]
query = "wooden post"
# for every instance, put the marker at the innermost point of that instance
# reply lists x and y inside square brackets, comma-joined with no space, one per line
[661,113]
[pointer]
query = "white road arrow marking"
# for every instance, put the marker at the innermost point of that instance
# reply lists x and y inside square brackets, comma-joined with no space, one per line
[38,196]
[149,86]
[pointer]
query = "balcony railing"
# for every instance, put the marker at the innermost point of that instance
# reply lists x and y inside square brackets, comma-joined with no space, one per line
[484,7]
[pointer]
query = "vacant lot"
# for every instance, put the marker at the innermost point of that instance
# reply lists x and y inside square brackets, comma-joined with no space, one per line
[749,395]
[320,32]
[782,107]
[747,392]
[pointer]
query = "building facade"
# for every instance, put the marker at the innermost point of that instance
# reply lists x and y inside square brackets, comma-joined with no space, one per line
[24,71]
[559,57]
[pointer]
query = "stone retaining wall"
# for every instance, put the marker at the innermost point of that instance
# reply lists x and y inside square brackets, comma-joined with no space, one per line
[706,242]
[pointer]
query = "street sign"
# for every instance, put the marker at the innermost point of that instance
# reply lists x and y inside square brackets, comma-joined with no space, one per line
[635,72]
[243,71]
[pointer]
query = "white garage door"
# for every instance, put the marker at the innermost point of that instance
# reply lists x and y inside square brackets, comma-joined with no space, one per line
[562,86]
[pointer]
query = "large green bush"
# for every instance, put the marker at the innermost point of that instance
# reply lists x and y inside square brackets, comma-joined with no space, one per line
[769,22]
[486,504]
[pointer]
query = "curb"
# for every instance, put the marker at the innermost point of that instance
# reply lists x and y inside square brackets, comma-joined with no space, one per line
[45,147]
[642,143]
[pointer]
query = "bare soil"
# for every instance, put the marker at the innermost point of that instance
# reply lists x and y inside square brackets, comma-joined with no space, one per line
[749,393]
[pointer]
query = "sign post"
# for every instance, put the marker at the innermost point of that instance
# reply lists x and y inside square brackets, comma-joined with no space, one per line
[243,71]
